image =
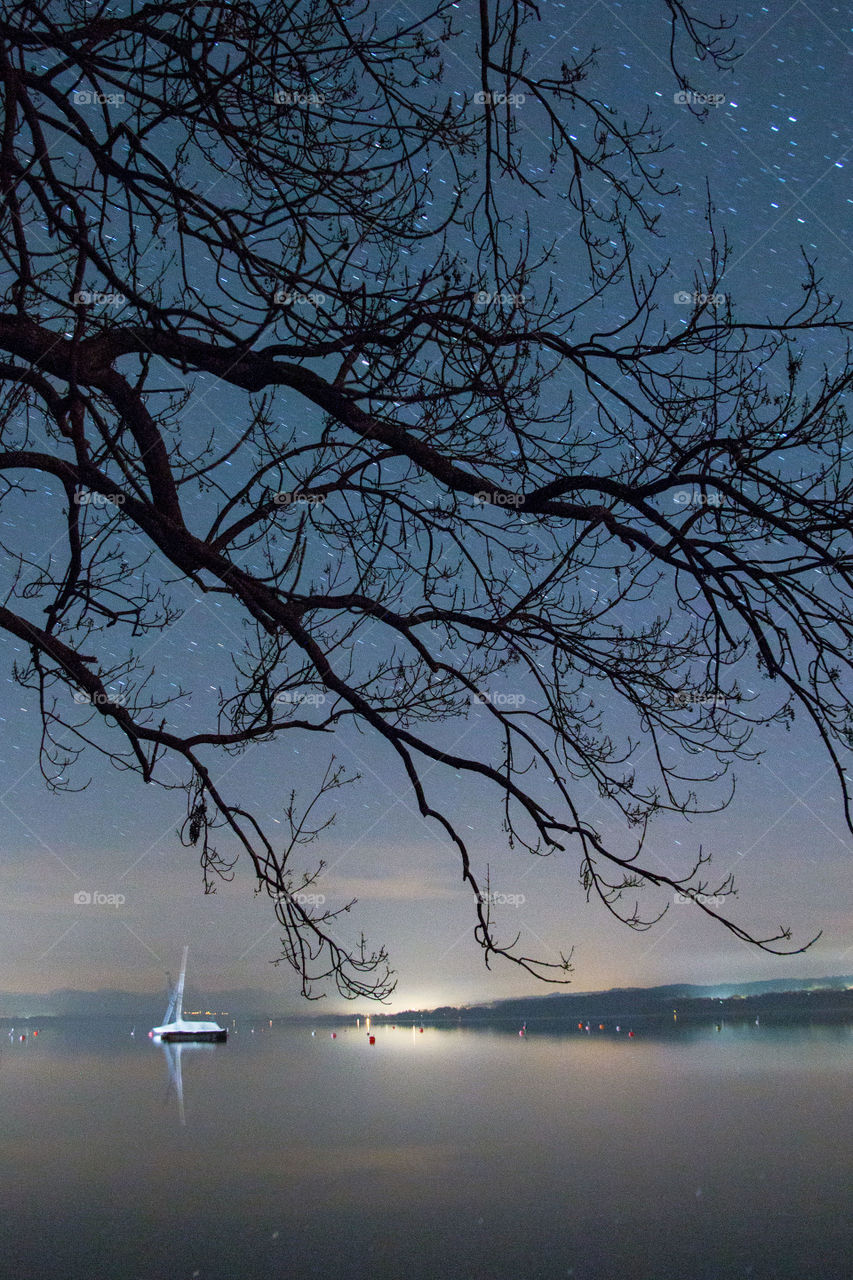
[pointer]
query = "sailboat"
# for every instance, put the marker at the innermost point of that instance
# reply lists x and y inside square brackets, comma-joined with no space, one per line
[176,1027]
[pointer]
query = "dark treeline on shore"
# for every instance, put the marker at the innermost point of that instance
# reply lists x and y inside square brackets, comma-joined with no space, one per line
[785,998]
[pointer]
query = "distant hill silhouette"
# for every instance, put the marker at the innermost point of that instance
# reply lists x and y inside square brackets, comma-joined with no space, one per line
[622,1002]
[619,1002]
[111,1003]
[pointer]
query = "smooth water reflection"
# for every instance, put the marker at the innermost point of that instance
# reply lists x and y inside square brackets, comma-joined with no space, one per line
[700,1155]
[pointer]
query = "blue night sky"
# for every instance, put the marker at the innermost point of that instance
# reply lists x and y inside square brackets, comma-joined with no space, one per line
[776,155]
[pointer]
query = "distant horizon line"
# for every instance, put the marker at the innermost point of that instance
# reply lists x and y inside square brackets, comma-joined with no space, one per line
[250,1002]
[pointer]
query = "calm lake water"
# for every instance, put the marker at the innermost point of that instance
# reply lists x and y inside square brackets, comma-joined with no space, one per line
[478,1155]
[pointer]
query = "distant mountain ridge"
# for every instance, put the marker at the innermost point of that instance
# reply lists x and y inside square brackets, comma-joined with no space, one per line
[248,1002]
[72,1002]
[618,1001]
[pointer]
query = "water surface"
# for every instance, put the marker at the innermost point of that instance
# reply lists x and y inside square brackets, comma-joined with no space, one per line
[477,1155]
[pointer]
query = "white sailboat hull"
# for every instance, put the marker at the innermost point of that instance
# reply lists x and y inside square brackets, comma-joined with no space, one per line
[172,1031]
[181,1028]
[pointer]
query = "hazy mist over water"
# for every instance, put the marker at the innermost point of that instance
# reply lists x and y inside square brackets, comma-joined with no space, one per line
[701,1155]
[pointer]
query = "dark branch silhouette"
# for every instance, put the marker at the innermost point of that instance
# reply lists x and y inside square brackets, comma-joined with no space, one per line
[323,225]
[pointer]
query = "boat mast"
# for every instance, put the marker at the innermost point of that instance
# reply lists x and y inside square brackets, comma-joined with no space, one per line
[167,1016]
[179,989]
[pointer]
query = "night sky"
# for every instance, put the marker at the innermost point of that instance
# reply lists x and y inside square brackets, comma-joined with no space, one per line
[776,154]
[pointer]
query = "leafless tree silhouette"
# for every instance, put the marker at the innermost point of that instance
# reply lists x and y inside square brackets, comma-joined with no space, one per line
[333,221]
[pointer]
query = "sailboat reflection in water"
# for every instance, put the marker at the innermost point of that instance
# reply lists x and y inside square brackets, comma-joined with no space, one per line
[176,1027]
[173,1062]
[178,1034]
